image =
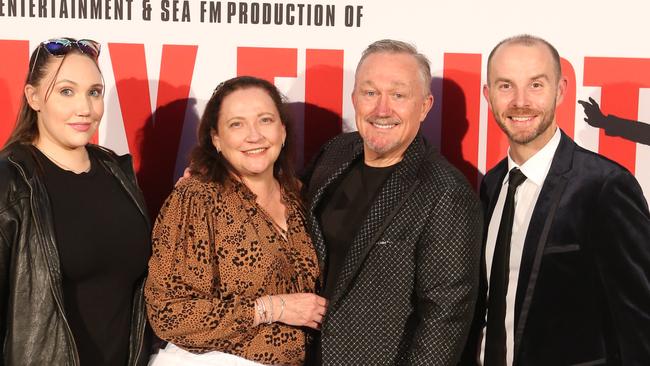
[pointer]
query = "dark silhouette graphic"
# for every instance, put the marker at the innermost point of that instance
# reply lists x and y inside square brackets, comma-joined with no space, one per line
[632,130]
[157,143]
[454,127]
[160,138]
[313,127]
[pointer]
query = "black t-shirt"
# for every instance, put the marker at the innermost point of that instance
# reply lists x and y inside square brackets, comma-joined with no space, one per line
[344,208]
[341,213]
[103,245]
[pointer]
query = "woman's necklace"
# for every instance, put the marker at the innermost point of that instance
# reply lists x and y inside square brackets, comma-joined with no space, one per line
[267,207]
[63,166]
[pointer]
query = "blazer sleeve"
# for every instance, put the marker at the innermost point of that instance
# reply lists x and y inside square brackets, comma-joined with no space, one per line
[186,303]
[447,278]
[622,254]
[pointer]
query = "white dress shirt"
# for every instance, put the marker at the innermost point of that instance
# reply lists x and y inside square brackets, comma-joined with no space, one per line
[535,169]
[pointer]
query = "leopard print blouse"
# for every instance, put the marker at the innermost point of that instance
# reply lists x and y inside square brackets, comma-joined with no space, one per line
[214,252]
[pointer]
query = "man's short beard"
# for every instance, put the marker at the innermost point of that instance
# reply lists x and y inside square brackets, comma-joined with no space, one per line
[526,139]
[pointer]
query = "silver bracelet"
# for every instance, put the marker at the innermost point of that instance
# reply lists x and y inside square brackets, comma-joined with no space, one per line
[282,304]
[271,310]
[261,309]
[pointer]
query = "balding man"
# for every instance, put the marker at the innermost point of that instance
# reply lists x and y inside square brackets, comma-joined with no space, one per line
[566,279]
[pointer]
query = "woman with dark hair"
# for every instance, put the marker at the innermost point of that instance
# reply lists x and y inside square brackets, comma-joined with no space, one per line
[74,236]
[233,271]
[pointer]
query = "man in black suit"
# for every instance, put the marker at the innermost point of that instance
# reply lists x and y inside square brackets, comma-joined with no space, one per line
[396,228]
[566,277]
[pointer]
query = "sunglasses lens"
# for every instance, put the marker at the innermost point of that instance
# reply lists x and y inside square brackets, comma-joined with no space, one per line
[89,47]
[57,47]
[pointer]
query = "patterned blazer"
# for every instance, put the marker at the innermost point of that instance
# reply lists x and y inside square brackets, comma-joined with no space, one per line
[408,285]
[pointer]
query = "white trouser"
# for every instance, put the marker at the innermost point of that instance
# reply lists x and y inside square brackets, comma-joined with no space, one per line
[174,356]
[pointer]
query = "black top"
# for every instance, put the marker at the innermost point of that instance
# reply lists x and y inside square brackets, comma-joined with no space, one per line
[103,245]
[345,206]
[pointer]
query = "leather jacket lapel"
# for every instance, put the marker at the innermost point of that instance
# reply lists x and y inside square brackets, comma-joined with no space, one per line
[118,169]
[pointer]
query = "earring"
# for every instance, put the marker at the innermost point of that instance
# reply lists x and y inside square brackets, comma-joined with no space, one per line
[282,143]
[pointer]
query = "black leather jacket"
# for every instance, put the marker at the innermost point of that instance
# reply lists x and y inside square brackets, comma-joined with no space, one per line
[33,325]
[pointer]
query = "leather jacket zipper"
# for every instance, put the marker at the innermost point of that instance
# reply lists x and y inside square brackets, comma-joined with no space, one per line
[141,329]
[57,300]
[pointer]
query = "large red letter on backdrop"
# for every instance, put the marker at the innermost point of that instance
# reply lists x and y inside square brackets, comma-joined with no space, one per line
[153,138]
[461,100]
[323,98]
[13,71]
[566,112]
[620,80]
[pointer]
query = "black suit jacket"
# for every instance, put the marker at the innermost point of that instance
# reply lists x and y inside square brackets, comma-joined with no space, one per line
[583,294]
[407,288]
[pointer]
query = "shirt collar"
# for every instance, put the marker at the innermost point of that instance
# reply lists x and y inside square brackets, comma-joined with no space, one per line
[537,166]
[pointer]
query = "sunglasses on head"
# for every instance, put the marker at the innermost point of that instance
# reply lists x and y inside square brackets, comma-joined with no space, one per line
[59,47]
[62,46]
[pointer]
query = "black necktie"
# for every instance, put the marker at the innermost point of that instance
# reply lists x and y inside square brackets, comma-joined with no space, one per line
[495,342]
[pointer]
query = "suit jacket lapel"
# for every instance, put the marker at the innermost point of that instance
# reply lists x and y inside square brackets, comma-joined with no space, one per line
[392,195]
[537,235]
[490,189]
[331,171]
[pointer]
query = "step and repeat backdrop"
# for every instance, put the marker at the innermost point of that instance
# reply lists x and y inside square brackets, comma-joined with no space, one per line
[161,60]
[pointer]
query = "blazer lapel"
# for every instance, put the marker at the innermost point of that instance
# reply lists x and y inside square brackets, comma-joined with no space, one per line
[490,189]
[331,171]
[537,235]
[392,195]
